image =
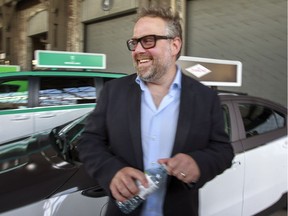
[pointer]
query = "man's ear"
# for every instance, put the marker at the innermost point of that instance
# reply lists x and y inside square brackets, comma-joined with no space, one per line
[176,45]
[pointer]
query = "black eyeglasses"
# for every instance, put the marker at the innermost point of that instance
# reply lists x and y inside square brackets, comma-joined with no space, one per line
[147,42]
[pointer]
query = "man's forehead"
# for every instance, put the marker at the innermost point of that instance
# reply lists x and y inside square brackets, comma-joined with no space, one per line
[149,25]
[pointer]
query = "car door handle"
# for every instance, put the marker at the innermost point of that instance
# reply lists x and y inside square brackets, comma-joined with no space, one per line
[21,117]
[236,163]
[285,144]
[48,115]
[94,192]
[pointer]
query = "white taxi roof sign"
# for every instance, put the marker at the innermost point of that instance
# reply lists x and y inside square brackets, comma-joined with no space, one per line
[212,72]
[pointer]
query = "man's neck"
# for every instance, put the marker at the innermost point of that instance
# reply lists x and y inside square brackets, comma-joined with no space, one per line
[161,87]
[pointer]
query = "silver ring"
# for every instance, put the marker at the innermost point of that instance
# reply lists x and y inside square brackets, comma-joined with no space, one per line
[183,174]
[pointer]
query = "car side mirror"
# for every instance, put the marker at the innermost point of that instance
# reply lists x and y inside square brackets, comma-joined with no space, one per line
[66,138]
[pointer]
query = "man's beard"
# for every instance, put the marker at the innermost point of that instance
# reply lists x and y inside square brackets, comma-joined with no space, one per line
[152,73]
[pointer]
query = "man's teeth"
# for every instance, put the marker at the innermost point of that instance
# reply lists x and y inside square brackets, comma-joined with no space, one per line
[144,60]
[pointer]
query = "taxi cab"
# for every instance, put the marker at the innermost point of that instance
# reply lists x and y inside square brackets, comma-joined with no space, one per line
[63,87]
[33,101]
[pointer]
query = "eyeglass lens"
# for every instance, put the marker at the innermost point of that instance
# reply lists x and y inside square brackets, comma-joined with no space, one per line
[147,42]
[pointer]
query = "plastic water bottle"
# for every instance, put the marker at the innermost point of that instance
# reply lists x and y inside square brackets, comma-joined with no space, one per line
[155,177]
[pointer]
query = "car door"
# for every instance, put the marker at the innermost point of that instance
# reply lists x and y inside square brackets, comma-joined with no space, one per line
[30,171]
[263,132]
[15,112]
[46,183]
[224,194]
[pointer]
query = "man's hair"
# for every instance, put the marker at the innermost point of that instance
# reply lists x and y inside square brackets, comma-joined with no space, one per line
[173,20]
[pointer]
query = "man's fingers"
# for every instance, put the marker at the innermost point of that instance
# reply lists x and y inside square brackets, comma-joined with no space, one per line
[117,194]
[183,167]
[123,186]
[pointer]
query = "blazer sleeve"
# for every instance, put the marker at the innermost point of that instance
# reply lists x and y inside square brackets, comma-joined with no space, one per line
[100,163]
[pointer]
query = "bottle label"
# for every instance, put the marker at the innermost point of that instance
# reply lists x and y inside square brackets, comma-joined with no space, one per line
[146,191]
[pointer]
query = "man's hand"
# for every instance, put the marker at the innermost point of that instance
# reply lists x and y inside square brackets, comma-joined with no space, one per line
[183,167]
[123,185]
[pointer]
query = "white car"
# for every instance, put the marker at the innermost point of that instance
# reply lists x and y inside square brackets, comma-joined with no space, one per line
[42,174]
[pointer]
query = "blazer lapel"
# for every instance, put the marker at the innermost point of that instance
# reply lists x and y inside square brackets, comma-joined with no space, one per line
[134,113]
[185,114]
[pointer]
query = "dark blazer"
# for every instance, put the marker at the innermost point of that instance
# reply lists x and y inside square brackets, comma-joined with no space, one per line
[112,139]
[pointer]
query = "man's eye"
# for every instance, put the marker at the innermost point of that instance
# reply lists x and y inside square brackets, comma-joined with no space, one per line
[148,40]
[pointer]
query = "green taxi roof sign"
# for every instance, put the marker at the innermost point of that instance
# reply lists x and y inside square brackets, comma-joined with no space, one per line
[60,59]
[9,68]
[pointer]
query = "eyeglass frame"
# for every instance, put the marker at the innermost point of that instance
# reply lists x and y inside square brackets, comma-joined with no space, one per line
[156,38]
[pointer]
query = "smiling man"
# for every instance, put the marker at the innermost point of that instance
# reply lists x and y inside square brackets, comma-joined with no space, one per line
[156,116]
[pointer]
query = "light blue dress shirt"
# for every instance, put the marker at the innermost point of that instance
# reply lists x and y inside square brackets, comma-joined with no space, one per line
[158,130]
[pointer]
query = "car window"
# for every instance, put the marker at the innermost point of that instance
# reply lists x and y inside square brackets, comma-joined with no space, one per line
[258,119]
[227,122]
[66,91]
[13,94]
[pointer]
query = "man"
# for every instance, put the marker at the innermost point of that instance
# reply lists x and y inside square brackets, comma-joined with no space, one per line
[157,116]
